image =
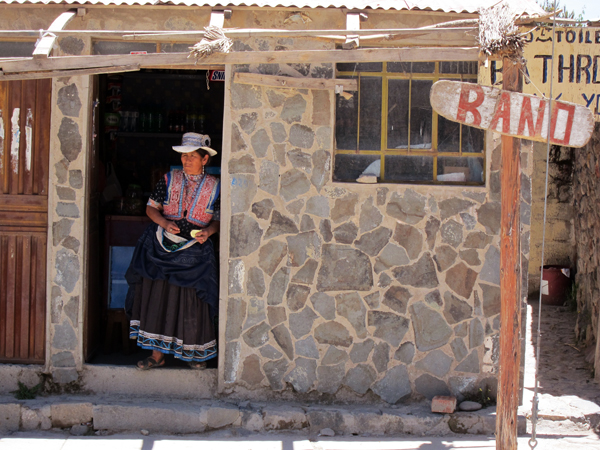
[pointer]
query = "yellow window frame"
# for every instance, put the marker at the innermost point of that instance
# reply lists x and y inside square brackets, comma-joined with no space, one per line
[384,151]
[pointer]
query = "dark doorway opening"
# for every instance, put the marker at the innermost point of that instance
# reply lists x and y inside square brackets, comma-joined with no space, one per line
[138,118]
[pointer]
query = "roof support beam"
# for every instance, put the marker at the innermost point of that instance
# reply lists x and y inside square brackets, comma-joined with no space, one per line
[45,44]
[69,73]
[295,56]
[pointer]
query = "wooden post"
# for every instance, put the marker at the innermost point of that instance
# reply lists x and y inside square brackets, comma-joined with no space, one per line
[510,277]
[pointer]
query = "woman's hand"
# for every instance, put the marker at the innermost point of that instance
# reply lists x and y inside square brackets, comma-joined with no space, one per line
[201,235]
[170,227]
[158,219]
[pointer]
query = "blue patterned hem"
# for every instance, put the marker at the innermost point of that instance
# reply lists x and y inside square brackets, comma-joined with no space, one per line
[172,346]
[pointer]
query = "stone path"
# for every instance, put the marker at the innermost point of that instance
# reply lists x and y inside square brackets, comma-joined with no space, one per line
[569,397]
[227,440]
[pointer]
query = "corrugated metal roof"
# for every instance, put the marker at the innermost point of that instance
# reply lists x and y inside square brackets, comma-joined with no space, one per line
[529,7]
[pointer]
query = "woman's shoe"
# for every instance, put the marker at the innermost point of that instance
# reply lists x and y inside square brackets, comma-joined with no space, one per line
[150,363]
[197,365]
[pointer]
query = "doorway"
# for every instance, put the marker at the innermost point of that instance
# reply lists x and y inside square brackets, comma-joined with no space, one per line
[140,116]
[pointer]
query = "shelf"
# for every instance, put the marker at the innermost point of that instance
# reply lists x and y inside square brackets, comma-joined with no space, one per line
[149,135]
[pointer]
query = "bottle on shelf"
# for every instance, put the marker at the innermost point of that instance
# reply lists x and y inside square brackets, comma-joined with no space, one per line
[159,122]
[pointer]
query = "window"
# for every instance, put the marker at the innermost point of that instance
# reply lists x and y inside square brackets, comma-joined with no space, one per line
[388,132]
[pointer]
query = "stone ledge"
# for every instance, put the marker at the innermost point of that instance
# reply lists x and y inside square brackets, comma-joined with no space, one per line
[10,416]
[11,374]
[127,380]
[168,415]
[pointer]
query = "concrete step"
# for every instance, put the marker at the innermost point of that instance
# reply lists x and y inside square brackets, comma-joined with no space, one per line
[166,415]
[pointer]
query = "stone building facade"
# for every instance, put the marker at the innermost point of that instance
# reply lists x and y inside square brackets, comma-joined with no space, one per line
[345,287]
[334,291]
[585,199]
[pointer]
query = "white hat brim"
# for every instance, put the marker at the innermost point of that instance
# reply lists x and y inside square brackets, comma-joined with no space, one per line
[189,149]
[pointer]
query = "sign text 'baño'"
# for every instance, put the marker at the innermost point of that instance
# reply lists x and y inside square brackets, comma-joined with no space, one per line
[513,113]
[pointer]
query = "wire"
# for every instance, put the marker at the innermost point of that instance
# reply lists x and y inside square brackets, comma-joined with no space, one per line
[535,401]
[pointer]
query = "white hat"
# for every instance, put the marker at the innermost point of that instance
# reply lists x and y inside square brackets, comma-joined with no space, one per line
[193,141]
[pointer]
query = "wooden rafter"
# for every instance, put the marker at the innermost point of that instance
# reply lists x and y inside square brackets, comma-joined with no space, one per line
[14,66]
[69,73]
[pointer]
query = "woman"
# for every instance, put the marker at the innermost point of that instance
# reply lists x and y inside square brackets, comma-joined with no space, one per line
[173,285]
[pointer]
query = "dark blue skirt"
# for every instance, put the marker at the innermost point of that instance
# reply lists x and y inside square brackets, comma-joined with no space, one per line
[173,298]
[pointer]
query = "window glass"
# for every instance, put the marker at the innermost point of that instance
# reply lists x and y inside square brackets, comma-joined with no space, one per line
[346,120]
[460,170]
[459,67]
[388,132]
[423,67]
[448,135]
[16,49]
[351,167]
[414,67]
[399,67]
[360,67]
[369,137]
[420,114]
[175,48]
[122,48]
[398,107]
[472,139]
[408,168]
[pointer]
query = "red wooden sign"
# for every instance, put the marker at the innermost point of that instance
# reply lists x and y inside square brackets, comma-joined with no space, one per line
[513,113]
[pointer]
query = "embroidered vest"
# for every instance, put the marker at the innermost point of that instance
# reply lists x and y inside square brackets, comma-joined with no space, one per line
[203,199]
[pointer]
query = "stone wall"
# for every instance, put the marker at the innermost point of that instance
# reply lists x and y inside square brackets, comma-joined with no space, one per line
[560,239]
[344,288]
[66,214]
[586,197]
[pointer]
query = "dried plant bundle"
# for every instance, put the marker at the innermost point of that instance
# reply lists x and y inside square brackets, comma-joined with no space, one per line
[214,41]
[498,34]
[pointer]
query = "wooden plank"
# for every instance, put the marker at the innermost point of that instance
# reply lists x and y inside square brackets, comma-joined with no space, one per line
[72,73]
[513,113]
[510,279]
[296,56]
[24,297]
[30,203]
[28,101]
[3,292]
[4,142]
[42,136]
[33,291]
[10,296]
[294,83]
[39,288]
[13,167]
[457,37]
[44,46]
[23,218]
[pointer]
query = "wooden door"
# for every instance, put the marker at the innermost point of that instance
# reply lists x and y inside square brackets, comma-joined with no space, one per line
[24,161]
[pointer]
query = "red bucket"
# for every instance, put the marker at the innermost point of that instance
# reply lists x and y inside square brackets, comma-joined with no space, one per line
[556,283]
